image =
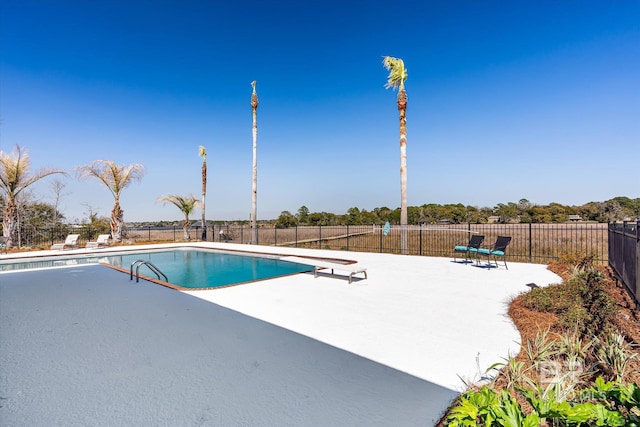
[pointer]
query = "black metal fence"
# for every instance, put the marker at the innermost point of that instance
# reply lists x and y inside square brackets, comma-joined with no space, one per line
[624,255]
[537,243]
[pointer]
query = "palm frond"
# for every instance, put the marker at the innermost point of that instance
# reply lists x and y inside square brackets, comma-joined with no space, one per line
[186,204]
[14,171]
[114,177]
[397,72]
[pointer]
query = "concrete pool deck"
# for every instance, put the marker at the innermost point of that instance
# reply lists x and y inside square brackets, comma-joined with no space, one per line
[85,346]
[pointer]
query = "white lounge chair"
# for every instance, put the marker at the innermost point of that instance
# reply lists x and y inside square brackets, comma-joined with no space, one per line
[101,241]
[70,242]
[319,264]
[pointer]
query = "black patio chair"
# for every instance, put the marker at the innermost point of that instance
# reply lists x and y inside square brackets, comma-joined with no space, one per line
[499,250]
[471,248]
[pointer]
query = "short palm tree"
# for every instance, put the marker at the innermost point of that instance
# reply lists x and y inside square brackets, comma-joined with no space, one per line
[254,185]
[186,205]
[203,154]
[397,77]
[14,178]
[116,178]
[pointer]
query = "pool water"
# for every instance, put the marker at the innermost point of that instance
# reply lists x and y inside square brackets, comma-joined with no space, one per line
[188,268]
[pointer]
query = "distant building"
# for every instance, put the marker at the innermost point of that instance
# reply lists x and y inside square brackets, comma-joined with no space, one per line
[575,218]
[493,219]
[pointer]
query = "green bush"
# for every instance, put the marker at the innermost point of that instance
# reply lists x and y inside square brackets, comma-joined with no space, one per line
[581,302]
[604,404]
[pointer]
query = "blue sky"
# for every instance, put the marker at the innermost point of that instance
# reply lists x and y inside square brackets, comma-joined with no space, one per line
[507,100]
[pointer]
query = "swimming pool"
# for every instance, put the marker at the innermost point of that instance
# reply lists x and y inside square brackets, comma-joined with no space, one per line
[184,267]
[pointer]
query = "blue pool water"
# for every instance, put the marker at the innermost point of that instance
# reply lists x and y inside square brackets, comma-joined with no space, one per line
[187,268]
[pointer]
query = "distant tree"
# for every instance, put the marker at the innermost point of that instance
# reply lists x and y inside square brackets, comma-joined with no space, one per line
[15,177]
[254,181]
[286,220]
[397,76]
[558,212]
[116,178]
[475,215]
[525,210]
[322,218]
[203,154]
[57,187]
[93,223]
[353,216]
[303,214]
[613,210]
[414,214]
[629,208]
[507,213]
[186,205]
[41,215]
[368,217]
[385,214]
[456,213]
[430,213]
[592,211]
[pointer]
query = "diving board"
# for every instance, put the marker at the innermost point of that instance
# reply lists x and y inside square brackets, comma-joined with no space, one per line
[320,264]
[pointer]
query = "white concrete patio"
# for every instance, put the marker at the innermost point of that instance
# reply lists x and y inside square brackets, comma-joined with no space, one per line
[84,344]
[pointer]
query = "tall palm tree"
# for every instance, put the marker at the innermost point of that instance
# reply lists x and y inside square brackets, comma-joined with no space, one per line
[116,178]
[203,154]
[397,76]
[14,178]
[254,186]
[186,205]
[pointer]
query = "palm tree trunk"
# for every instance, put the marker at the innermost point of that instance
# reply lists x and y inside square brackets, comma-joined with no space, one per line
[204,192]
[254,182]
[9,223]
[402,108]
[186,228]
[117,220]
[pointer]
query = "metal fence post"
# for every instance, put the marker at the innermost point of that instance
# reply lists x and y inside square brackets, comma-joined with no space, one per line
[319,237]
[347,236]
[530,243]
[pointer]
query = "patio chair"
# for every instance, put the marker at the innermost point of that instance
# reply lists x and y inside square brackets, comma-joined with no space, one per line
[101,241]
[471,248]
[499,249]
[70,242]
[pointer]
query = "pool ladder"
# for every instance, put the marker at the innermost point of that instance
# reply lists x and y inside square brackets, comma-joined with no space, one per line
[140,262]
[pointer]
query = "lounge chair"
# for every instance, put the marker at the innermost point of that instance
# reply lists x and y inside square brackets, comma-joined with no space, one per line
[70,242]
[471,248]
[499,249]
[101,241]
[319,264]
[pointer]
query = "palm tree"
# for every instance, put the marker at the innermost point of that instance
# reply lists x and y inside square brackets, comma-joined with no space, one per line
[186,205]
[14,178]
[203,154]
[395,80]
[254,186]
[116,178]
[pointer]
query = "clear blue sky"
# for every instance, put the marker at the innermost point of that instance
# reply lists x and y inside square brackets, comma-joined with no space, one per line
[507,100]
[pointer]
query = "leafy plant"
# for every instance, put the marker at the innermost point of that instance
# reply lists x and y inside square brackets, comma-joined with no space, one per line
[572,344]
[614,355]
[540,349]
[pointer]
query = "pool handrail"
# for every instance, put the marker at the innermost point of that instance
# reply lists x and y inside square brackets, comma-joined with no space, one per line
[140,262]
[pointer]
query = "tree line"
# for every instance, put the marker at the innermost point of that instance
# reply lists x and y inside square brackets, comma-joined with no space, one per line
[617,209]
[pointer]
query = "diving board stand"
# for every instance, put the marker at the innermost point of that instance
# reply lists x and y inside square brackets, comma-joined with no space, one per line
[319,264]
